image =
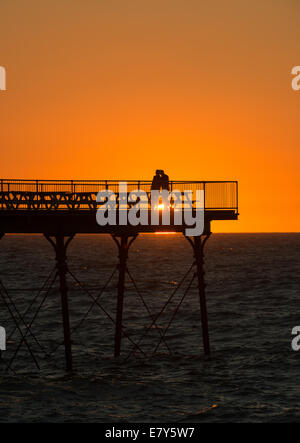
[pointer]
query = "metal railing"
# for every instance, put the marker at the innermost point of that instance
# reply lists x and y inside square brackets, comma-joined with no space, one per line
[81,194]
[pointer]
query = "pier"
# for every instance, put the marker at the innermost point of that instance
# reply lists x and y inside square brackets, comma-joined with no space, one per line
[59,210]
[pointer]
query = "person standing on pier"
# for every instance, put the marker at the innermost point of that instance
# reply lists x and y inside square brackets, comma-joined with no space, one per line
[156,181]
[165,181]
[160,181]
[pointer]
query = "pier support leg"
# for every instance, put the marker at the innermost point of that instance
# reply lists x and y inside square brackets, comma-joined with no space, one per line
[123,244]
[1,235]
[198,244]
[60,247]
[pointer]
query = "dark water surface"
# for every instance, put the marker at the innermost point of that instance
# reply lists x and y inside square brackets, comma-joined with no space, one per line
[253,291]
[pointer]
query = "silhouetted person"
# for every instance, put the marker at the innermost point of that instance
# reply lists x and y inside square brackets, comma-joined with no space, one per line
[156,182]
[164,181]
[160,181]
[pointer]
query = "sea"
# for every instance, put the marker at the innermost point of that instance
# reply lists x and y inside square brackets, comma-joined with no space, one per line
[162,374]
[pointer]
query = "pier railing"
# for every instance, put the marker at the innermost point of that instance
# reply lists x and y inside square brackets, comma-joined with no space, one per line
[81,194]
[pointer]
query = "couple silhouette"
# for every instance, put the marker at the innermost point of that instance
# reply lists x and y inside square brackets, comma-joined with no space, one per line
[160,181]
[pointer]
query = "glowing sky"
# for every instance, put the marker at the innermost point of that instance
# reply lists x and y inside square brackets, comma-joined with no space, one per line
[115,89]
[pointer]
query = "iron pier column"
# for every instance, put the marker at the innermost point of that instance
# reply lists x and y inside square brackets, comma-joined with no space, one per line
[123,247]
[1,235]
[60,247]
[198,247]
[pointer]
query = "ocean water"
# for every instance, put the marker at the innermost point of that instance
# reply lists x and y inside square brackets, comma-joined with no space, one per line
[252,375]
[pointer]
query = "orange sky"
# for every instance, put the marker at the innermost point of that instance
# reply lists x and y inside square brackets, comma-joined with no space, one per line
[109,89]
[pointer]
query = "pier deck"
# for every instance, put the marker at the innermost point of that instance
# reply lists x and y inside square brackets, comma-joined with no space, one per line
[46,206]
